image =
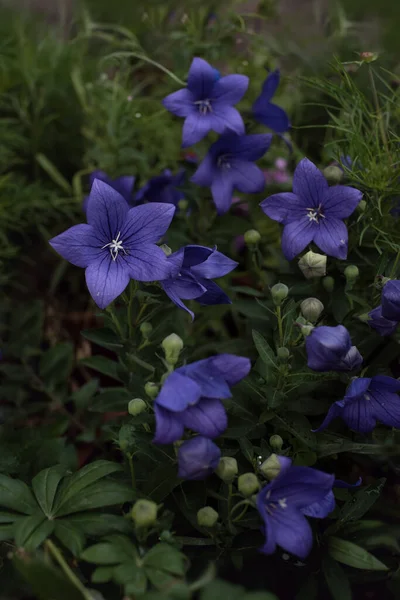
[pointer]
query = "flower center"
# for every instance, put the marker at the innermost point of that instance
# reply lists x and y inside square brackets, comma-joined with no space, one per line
[204,106]
[270,507]
[223,161]
[314,214]
[115,246]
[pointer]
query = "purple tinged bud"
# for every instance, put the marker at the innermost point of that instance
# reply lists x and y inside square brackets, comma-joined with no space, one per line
[391,300]
[330,349]
[378,322]
[198,458]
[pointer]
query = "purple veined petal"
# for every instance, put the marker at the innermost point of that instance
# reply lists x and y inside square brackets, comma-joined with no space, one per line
[197,458]
[284,207]
[292,532]
[106,279]
[146,224]
[334,411]
[205,172]
[269,546]
[230,89]
[331,237]
[213,294]
[296,236]
[175,261]
[391,300]
[250,147]
[222,191]
[214,265]
[196,127]
[79,245]
[358,415]
[247,177]
[185,286]
[378,322]
[226,118]
[385,407]
[340,201]
[351,360]
[358,387]
[201,79]
[211,383]
[270,85]
[309,183]
[231,367]
[106,211]
[146,263]
[208,417]
[180,103]
[195,255]
[383,382]
[169,427]
[169,290]
[321,509]
[178,392]
[301,486]
[272,116]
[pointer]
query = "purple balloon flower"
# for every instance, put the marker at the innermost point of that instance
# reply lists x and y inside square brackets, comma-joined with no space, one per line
[391,300]
[367,400]
[123,185]
[378,322]
[162,188]
[267,113]
[192,268]
[313,212]
[117,244]
[229,165]
[198,458]
[207,102]
[322,508]
[330,349]
[283,503]
[191,397]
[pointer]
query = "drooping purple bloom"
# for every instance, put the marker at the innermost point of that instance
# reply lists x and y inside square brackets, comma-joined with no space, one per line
[191,397]
[330,349]
[378,322]
[163,188]
[197,458]
[192,269]
[123,185]
[390,300]
[282,503]
[229,165]
[313,212]
[367,400]
[267,113]
[117,244]
[207,102]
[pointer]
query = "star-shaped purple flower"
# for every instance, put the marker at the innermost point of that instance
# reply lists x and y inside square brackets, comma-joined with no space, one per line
[197,458]
[123,185]
[367,400]
[229,165]
[313,212]
[192,269]
[331,349]
[163,188]
[380,323]
[207,102]
[191,397]
[117,244]
[267,113]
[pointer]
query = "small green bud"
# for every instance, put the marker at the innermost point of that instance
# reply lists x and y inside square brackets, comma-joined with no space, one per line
[351,273]
[279,293]
[362,205]
[144,513]
[207,517]
[172,346]
[328,283]
[311,309]
[368,57]
[333,174]
[183,204]
[146,329]
[166,249]
[151,389]
[306,329]
[248,484]
[276,442]
[271,467]
[313,264]
[136,406]
[227,469]
[283,354]
[252,237]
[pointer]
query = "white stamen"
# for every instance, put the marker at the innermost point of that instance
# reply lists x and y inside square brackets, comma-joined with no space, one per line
[282,503]
[115,246]
[204,106]
[314,214]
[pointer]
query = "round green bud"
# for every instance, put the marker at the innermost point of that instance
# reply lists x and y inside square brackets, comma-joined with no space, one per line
[146,329]
[151,389]
[328,283]
[183,204]
[279,293]
[306,329]
[166,249]
[271,467]
[362,205]
[351,273]
[333,174]
[311,309]
[207,517]
[227,469]
[144,513]
[252,237]
[172,346]
[136,406]
[248,484]
[276,442]
[313,264]
[283,354]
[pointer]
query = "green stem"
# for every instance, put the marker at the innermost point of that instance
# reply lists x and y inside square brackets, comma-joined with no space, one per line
[244,511]
[280,325]
[378,110]
[132,470]
[141,311]
[114,319]
[230,491]
[393,271]
[55,552]
[142,363]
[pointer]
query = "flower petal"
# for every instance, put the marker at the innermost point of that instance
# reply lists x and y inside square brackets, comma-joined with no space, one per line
[205,172]
[321,509]
[285,207]
[301,486]
[226,118]
[146,263]
[271,116]
[169,427]
[178,392]
[230,89]
[197,458]
[386,407]
[106,279]
[186,286]
[340,201]
[106,211]
[331,237]
[213,294]
[292,532]
[270,85]
[296,236]
[378,322]
[146,224]
[358,415]
[196,127]
[180,103]
[215,265]
[249,147]
[384,382]
[391,300]
[201,79]
[222,191]
[309,183]
[211,383]
[231,367]
[334,411]
[79,245]
[247,177]
[208,417]
[169,290]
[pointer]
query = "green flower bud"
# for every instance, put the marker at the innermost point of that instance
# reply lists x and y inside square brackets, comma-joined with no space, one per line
[279,292]
[136,406]
[362,205]
[351,273]
[166,249]
[276,442]
[144,513]
[248,484]
[333,174]
[313,264]
[227,469]
[283,354]
[207,517]
[271,467]
[172,346]
[311,309]
[368,57]
[306,329]
[151,389]
[328,283]
[183,204]
[252,237]
[146,329]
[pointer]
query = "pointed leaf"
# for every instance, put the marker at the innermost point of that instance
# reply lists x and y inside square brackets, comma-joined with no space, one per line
[56,364]
[16,495]
[103,337]
[165,557]
[361,502]
[105,553]
[264,349]
[31,531]
[99,524]
[46,581]
[113,399]
[70,536]
[45,486]
[82,397]
[97,495]
[336,579]
[352,555]
[102,365]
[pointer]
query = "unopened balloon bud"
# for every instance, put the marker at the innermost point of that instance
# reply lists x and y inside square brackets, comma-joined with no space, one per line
[227,469]
[276,442]
[362,205]
[279,293]
[283,354]
[311,309]
[328,283]
[351,273]
[136,406]
[306,329]
[172,346]
[151,389]
[207,517]
[313,264]
[252,237]
[144,513]
[146,329]
[271,467]
[248,484]
[333,174]
[183,204]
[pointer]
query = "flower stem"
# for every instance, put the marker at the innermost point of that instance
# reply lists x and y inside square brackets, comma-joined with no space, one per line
[55,552]
[378,110]
[114,319]
[132,470]
[280,324]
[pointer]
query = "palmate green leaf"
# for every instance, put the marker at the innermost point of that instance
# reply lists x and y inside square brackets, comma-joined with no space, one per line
[70,536]
[361,502]
[56,364]
[45,486]
[336,579]
[30,532]
[16,495]
[137,583]
[97,495]
[354,556]
[102,365]
[46,581]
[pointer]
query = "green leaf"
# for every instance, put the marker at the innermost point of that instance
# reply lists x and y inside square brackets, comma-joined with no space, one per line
[46,581]
[102,365]
[102,574]
[167,558]
[361,502]
[45,486]
[247,291]
[31,531]
[260,596]
[112,399]
[247,449]
[264,350]
[106,553]
[218,589]
[352,555]
[56,364]
[16,495]
[26,327]
[82,397]
[99,524]
[97,495]
[53,172]
[160,482]
[70,536]
[336,579]
[137,583]
[103,337]
[299,426]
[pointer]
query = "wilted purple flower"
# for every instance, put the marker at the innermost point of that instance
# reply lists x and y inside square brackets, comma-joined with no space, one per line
[267,113]
[117,244]
[390,300]
[197,458]
[283,502]
[229,165]
[163,188]
[367,400]
[123,185]
[330,349]
[192,269]
[378,322]
[313,212]
[207,102]
[191,397]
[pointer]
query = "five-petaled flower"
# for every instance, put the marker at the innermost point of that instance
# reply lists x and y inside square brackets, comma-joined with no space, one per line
[229,165]
[207,102]
[267,113]
[367,400]
[313,212]
[191,397]
[117,244]
[162,188]
[123,185]
[192,269]
[283,503]
[197,458]
[380,323]
[331,349]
